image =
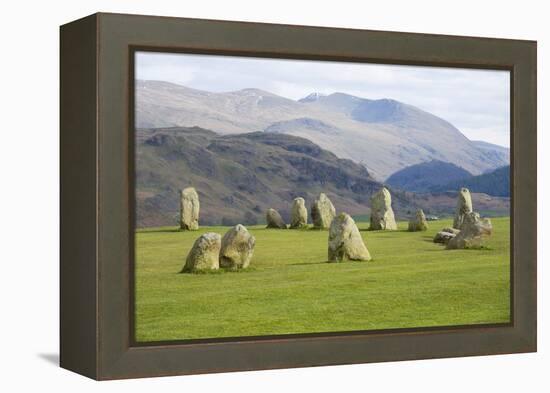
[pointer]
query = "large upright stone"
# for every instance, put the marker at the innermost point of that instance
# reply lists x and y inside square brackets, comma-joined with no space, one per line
[204,254]
[345,241]
[381,216]
[298,214]
[274,219]
[322,212]
[463,207]
[418,222]
[237,248]
[472,232]
[189,209]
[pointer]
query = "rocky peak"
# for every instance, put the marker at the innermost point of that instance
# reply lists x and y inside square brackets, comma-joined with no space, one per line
[315,96]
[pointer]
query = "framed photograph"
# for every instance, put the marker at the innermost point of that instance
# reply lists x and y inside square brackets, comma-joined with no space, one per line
[243,196]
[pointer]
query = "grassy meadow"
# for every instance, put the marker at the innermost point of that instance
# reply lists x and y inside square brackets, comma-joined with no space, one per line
[289,288]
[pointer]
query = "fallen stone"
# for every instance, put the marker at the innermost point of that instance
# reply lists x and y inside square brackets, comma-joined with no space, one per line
[443,237]
[451,230]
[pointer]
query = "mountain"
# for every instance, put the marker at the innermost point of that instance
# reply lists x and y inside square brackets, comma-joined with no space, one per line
[496,152]
[383,135]
[437,177]
[303,124]
[239,176]
[495,183]
[312,97]
[427,175]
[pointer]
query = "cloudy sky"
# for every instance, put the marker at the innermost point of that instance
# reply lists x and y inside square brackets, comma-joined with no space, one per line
[474,101]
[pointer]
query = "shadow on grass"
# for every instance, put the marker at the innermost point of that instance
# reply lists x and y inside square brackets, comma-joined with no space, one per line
[219,271]
[308,263]
[329,263]
[385,231]
[444,248]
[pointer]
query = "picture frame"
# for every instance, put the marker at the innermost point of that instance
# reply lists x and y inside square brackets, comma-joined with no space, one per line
[97,195]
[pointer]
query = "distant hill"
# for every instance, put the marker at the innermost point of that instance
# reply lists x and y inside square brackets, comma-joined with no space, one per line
[302,124]
[239,176]
[384,135]
[494,152]
[495,183]
[427,176]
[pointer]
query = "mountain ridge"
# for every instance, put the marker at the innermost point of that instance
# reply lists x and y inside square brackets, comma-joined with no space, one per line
[384,135]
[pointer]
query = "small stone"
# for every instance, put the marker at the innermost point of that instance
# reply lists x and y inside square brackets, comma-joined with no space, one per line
[237,248]
[419,222]
[322,212]
[443,237]
[189,209]
[298,215]
[345,241]
[204,254]
[381,216]
[274,219]
[451,230]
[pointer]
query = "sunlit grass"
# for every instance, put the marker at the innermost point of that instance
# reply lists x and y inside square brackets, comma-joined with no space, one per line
[290,288]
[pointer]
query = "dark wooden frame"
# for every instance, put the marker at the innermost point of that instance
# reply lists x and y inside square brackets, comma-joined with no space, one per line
[97,195]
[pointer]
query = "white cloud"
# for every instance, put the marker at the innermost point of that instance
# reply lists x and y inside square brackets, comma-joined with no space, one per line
[475,101]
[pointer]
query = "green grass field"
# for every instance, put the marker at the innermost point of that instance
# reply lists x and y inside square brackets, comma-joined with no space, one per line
[289,288]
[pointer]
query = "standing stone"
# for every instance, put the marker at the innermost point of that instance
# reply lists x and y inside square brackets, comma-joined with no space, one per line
[204,254]
[418,222]
[345,241]
[472,232]
[322,212]
[463,207]
[189,209]
[381,216]
[298,215]
[237,248]
[274,219]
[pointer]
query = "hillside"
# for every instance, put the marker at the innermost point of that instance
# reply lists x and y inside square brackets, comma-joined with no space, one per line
[239,176]
[496,183]
[383,135]
[427,175]
[496,152]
